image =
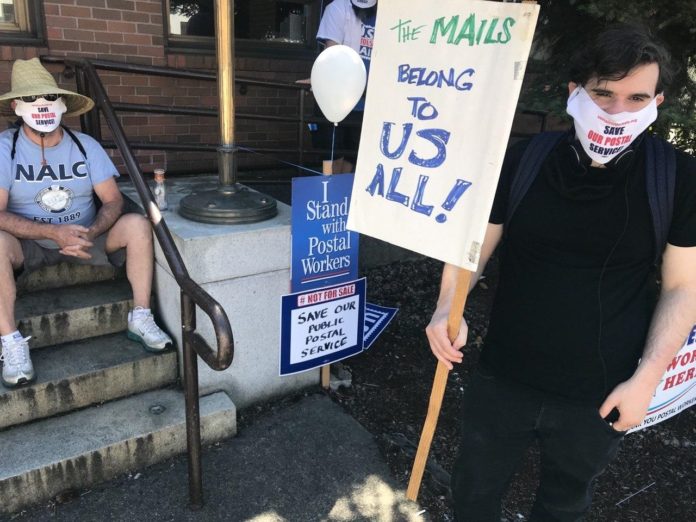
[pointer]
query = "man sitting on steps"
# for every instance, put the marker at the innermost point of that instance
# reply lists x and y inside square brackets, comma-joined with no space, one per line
[48,179]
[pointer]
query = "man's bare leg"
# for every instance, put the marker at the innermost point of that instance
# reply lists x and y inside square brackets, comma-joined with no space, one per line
[337,166]
[134,233]
[11,258]
[17,368]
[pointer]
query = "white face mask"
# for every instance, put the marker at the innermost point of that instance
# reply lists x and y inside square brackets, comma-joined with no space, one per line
[605,135]
[41,115]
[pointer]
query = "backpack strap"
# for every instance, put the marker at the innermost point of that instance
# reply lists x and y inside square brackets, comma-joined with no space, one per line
[660,179]
[533,158]
[76,140]
[14,144]
[17,125]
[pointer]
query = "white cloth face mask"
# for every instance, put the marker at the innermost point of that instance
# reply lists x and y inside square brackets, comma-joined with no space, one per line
[603,135]
[41,115]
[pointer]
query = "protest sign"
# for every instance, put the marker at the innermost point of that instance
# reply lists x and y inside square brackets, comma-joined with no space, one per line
[376,320]
[443,87]
[444,83]
[677,389]
[323,251]
[321,326]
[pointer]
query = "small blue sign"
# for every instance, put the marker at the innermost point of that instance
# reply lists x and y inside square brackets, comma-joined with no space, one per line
[324,252]
[376,320]
[321,326]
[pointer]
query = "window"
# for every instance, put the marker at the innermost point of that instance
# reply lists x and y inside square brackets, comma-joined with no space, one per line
[20,22]
[261,25]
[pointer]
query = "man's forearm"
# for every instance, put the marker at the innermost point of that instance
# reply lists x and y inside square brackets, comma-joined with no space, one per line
[23,228]
[106,217]
[448,283]
[674,317]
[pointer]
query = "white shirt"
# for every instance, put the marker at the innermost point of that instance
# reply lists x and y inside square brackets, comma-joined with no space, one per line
[341,25]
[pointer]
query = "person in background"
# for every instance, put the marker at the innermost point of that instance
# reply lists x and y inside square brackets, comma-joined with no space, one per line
[49,177]
[351,23]
[202,23]
[579,334]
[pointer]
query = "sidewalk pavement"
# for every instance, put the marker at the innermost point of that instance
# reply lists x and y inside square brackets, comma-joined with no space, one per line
[306,462]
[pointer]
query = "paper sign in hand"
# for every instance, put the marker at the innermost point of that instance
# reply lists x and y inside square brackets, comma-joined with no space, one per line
[338,81]
[444,82]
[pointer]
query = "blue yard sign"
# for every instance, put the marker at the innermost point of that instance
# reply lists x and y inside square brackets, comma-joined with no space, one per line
[323,252]
[324,269]
[376,320]
[321,326]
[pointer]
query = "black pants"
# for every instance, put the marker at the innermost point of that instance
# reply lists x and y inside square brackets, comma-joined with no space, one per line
[500,421]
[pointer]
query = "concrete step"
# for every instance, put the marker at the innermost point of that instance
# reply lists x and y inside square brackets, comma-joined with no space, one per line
[66,274]
[59,316]
[73,451]
[88,372]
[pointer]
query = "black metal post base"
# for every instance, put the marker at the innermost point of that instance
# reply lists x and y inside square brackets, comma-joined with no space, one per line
[228,205]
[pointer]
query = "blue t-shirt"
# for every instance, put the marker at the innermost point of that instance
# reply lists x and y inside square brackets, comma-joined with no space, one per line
[60,192]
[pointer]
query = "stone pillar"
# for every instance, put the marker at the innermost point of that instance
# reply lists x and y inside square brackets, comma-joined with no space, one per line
[246,268]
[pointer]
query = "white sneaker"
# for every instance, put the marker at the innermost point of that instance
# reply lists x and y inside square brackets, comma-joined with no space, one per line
[142,328]
[16,363]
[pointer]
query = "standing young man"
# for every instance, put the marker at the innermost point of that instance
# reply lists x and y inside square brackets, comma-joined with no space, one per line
[48,179]
[578,338]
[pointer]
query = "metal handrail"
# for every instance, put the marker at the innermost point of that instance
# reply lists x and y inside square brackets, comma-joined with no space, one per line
[192,294]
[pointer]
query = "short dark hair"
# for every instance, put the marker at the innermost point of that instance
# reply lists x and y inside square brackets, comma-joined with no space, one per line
[616,51]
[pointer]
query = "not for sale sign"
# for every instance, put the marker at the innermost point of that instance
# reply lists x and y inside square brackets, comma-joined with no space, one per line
[321,326]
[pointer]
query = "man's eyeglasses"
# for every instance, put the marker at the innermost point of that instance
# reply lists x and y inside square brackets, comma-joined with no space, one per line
[47,97]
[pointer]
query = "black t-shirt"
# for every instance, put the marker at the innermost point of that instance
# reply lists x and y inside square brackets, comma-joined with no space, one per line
[577,282]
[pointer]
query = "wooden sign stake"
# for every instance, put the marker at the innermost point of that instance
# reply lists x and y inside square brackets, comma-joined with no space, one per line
[325,376]
[327,170]
[439,383]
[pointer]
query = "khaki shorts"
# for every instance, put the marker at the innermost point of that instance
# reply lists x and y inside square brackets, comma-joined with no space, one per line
[36,256]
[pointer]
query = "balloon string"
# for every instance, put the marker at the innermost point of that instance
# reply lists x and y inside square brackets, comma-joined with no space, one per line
[333,142]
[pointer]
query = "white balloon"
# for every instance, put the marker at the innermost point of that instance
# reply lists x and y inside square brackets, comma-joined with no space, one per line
[338,81]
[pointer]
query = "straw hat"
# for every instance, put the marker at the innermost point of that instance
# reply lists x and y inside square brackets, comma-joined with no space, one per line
[30,78]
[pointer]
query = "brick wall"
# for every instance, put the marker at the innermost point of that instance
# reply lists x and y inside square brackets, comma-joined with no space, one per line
[132,31]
